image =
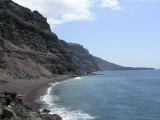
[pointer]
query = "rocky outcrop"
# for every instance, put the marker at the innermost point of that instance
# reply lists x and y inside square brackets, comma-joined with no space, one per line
[28,48]
[82,59]
[12,108]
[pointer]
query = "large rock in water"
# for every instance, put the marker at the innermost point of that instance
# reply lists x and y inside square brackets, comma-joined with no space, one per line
[28,48]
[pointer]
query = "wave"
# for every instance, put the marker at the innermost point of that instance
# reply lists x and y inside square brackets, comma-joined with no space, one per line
[66,113]
[77,78]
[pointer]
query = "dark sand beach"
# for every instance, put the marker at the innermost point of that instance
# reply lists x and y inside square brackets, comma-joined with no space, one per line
[31,88]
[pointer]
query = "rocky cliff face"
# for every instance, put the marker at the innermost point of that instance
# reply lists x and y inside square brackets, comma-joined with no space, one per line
[28,48]
[83,61]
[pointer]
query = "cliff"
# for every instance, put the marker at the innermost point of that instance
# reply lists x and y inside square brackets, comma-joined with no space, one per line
[28,48]
[105,65]
[81,58]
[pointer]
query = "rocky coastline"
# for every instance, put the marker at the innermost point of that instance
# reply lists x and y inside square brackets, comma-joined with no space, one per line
[27,108]
[32,56]
[29,49]
[13,108]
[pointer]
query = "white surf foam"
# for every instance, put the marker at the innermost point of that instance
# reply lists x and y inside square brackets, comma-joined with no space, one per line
[77,78]
[68,114]
[65,113]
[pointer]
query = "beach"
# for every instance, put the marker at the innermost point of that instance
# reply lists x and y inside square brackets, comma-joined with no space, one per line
[31,88]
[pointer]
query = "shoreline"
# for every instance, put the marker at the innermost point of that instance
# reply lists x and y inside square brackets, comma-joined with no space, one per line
[39,91]
[32,89]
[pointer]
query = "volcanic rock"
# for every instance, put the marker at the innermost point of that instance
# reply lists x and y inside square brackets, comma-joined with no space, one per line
[13,109]
[28,48]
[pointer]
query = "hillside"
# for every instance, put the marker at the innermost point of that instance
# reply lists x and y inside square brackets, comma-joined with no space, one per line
[28,48]
[105,65]
[82,59]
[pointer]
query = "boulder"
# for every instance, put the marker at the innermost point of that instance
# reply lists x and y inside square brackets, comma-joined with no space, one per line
[34,116]
[1,112]
[7,101]
[7,114]
[45,111]
[50,117]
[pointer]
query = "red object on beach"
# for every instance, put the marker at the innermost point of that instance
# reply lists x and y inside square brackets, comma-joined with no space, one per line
[21,95]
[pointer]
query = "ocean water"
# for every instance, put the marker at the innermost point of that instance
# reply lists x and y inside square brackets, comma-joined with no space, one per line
[117,95]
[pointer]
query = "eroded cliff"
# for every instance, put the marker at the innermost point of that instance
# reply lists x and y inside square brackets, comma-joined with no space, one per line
[82,59]
[28,48]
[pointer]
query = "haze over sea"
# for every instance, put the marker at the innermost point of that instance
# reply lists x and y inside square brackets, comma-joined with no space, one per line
[117,95]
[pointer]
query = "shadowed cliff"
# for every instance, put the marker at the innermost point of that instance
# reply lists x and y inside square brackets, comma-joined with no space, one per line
[82,59]
[28,48]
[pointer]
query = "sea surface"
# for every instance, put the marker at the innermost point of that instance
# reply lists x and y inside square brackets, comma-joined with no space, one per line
[116,95]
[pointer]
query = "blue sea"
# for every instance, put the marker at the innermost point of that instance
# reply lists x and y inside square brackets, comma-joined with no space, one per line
[116,95]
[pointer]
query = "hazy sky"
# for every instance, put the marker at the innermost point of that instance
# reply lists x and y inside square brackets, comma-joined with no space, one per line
[125,32]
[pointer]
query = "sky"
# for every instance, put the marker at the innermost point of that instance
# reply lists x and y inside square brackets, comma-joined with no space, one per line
[124,32]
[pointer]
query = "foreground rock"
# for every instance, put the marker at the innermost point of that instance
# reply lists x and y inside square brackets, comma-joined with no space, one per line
[12,108]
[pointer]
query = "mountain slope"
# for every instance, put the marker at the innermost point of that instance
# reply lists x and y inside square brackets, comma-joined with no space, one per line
[83,61]
[28,47]
[105,65]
